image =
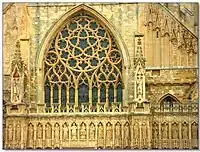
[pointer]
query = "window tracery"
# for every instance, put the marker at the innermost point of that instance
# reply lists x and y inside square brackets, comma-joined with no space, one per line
[83,56]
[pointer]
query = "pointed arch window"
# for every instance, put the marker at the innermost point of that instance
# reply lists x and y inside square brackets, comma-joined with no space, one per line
[83,63]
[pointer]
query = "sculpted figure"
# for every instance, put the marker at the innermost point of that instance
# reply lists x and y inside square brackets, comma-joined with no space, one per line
[83,132]
[30,135]
[155,129]
[39,132]
[184,131]
[57,132]
[92,131]
[109,131]
[174,131]
[10,133]
[74,132]
[136,131]
[16,90]
[65,132]
[194,131]
[101,132]
[118,135]
[164,131]
[126,134]
[18,133]
[109,134]
[144,131]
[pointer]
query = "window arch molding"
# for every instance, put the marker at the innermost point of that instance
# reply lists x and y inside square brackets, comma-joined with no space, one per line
[56,27]
[168,95]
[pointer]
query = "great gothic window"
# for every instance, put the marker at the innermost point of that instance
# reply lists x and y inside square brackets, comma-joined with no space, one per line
[83,64]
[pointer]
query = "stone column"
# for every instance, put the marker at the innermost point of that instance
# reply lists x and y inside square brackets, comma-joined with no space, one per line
[113,142]
[52,141]
[87,132]
[35,129]
[170,138]
[123,134]
[61,131]
[96,135]
[43,135]
[22,134]
[160,138]
[190,135]
[180,135]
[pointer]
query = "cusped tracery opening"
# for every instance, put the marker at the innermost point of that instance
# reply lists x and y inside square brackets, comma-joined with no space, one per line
[83,64]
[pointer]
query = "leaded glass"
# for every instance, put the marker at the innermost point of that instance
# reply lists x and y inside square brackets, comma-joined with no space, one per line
[63,96]
[119,93]
[103,93]
[111,93]
[55,93]
[83,52]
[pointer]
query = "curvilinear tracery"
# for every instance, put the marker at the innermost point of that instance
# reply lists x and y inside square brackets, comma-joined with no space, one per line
[83,57]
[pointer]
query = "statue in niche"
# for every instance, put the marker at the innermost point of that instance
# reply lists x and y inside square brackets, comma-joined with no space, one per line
[65,132]
[92,131]
[136,131]
[174,131]
[30,135]
[16,90]
[185,131]
[101,132]
[57,132]
[48,131]
[18,133]
[155,131]
[10,133]
[48,135]
[144,131]
[109,131]
[126,134]
[109,134]
[118,134]
[83,132]
[56,135]
[164,130]
[39,132]
[74,132]
[194,131]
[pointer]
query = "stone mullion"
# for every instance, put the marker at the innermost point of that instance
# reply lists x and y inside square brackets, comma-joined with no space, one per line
[99,99]
[51,99]
[76,97]
[67,103]
[107,95]
[59,98]
[115,94]
[90,98]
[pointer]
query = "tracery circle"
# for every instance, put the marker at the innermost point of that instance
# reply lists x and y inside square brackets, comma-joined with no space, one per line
[114,56]
[83,44]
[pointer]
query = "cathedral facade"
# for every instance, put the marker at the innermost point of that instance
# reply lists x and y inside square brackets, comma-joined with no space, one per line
[100,75]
